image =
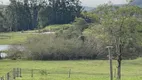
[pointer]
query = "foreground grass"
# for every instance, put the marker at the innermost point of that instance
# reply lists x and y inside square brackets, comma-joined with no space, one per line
[13,38]
[80,70]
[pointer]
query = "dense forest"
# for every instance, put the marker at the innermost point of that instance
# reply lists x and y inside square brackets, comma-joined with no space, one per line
[32,14]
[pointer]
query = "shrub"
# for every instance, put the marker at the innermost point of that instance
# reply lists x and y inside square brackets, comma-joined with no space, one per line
[43,72]
[15,52]
[50,47]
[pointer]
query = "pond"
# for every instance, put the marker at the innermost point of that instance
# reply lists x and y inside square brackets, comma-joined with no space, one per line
[2,48]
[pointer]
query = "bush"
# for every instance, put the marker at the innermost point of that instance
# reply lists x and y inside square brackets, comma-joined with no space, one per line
[50,47]
[15,52]
[75,30]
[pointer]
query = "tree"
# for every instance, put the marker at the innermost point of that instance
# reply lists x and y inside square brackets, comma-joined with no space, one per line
[61,11]
[30,14]
[35,6]
[22,14]
[1,22]
[90,17]
[76,30]
[16,16]
[121,26]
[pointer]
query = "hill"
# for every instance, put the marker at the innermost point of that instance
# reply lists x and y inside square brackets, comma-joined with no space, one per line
[2,6]
[137,3]
[86,8]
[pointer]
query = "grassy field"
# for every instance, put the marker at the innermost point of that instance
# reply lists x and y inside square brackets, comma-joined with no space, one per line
[55,28]
[13,38]
[80,70]
[18,37]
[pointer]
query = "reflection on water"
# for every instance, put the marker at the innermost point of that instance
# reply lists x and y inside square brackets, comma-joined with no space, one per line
[3,55]
[5,47]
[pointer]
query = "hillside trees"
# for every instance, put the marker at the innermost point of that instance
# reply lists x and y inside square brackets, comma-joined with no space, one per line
[75,31]
[1,22]
[22,15]
[90,17]
[30,14]
[60,12]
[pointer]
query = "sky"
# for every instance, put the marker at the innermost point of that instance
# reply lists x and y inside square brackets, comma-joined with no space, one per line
[94,3]
[90,3]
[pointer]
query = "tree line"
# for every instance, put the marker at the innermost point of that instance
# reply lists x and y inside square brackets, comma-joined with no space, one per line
[31,14]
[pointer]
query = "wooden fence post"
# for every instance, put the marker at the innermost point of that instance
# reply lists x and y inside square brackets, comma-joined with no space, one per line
[20,72]
[32,73]
[2,78]
[14,76]
[69,73]
[8,76]
[114,73]
[17,72]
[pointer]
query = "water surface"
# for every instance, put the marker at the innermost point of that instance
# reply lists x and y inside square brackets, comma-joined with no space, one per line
[2,48]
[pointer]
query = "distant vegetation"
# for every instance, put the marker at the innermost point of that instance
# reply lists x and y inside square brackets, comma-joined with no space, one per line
[86,8]
[34,14]
[137,3]
[56,28]
[13,38]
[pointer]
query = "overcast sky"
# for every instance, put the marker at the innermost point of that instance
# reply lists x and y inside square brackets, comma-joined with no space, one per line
[91,3]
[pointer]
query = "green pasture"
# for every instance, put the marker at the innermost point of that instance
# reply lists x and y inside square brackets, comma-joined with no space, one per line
[80,69]
[13,37]
[18,37]
[55,28]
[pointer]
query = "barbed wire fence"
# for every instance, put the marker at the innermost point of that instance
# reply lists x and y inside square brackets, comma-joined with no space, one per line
[31,74]
[12,75]
[17,73]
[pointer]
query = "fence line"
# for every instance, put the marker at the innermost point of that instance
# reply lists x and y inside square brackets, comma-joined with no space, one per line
[12,75]
[17,73]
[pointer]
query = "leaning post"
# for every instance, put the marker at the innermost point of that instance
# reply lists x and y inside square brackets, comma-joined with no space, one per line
[110,61]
